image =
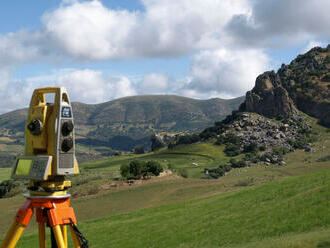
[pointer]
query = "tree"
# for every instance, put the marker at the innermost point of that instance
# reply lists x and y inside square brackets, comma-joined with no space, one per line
[232,150]
[139,150]
[154,167]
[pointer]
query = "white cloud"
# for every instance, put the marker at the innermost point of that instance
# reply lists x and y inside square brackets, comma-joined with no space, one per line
[225,73]
[88,30]
[88,86]
[154,83]
[278,23]
[312,44]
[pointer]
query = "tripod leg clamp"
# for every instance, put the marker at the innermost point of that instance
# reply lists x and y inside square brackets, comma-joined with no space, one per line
[61,216]
[25,213]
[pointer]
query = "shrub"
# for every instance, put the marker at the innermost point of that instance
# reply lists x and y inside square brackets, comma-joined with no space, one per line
[324,159]
[233,139]
[207,134]
[220,140]
[232,150]
[262,148]
[280,150]
[217,172]
[6,186]
[237,163]
[252,147]
[154,167]
[137,169]
[139,150]
[301,142]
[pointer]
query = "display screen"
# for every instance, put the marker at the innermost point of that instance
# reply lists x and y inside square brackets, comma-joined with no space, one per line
[23,167]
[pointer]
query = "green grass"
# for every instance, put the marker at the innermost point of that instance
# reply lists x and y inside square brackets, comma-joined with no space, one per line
[119,210]
[194,158]
[292,209]
[4,173]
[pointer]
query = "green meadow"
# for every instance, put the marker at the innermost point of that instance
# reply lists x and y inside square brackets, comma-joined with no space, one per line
[260,206]
[292,212]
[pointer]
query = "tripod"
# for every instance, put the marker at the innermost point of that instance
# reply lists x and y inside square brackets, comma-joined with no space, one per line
[53,211]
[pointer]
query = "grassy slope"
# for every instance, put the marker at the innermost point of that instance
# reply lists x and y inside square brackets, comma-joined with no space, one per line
[173,189]
[264,214]
[4,173]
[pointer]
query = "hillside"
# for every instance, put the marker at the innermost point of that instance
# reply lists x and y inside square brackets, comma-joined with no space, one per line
[288,213]
[122,124]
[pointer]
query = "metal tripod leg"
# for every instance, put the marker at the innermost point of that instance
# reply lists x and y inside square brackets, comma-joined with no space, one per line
[22,219]
[42,235]
[75,238]
[65,235]
[13,235]
[58,236]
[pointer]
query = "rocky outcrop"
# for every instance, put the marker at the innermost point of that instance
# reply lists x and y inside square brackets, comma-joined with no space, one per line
[269,98]
[303,85]
[254,128]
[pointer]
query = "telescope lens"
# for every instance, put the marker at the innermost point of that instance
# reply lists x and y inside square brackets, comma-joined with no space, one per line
[67,128]
[35,126]
[67,144]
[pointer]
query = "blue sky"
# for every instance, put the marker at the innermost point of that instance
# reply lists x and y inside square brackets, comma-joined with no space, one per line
[102,50]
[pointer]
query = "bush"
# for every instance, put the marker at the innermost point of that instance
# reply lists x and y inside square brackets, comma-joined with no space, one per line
[218,172]
[154,167]
[220,140]
[207,134]
[324,159]
[137,169]
[6,186]
[301,142]
[252,147]
[232,139]
[232,150]
[280,150]
[237,163]
[139,150]
[188,139]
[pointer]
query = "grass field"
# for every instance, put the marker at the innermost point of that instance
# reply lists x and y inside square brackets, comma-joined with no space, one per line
[4,173]
[194,158]
[259,206]
[293,212]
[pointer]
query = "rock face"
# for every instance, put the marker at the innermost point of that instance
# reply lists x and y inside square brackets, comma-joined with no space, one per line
[269,98]
[304,84]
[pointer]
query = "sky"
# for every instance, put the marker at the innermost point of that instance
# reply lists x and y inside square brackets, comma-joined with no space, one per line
[102,50]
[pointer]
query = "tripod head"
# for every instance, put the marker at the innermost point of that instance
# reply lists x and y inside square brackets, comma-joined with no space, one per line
[49,143]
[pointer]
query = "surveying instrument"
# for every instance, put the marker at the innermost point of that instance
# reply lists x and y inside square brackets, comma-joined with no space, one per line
[49,157]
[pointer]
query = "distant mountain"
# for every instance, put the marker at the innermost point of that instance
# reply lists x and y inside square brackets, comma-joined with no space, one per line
[125,123]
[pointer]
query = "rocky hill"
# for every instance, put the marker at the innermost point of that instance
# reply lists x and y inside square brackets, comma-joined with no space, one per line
[271,121]
[124,123]
[304,84]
